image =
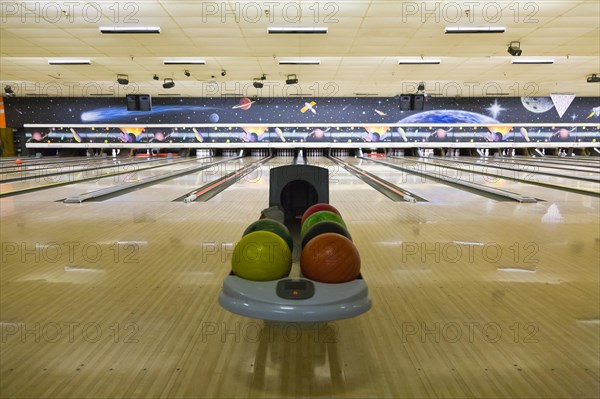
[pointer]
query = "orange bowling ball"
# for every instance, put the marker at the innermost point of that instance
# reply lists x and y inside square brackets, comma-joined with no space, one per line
[330,258]
[18,162]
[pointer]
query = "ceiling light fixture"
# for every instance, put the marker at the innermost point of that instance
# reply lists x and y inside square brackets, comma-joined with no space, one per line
[184,62]
[533,61]
[422,61]
[474,29]
[295,30]
[300,62]
[69,62]
[129,29]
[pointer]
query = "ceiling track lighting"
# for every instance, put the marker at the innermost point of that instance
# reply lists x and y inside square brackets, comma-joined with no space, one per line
[593,79]
[123,79]
[514,49]
[168,84]
[291,80]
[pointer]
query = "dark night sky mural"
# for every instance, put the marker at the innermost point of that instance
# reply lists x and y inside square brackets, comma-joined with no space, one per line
[480,110]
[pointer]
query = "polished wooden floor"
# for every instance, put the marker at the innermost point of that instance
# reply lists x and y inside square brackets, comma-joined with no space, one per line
[471,297]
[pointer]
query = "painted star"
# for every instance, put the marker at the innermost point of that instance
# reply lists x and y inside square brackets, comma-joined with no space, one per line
[495,109]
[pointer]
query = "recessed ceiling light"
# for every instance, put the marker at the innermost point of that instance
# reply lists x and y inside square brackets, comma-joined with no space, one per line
[129,29]
[532,61]
[184,62]
[430,61]
[475,29]
[299,62]
[69,62]
[294,30]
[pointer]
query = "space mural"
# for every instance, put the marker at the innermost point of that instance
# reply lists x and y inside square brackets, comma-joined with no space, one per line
[366,120]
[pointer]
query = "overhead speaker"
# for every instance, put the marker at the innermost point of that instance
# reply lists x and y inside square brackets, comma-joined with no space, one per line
[405,102]
[131,102]
[144,102]
[139,102]
[418,102]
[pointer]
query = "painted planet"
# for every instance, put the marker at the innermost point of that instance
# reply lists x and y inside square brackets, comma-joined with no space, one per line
[449,116]
[159,136]
[563,133]
[245,103]
[214,118]
[318,133]
[37,136]
[537,105]
[440,133]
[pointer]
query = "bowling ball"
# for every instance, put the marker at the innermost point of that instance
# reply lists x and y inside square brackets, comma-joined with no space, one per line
[324,227]
[274,227]
[320,216]
[18,162]
[318,207]
[330,258]
[261,256]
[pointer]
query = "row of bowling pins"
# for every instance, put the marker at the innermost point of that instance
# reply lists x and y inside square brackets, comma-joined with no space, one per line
[205,152]
[340,152]
[512,152]
[311,152]
[285,152]
[425,152]
[453,152]
[100,153]
[396,152]
[230,153]
[563,153]
[261,152]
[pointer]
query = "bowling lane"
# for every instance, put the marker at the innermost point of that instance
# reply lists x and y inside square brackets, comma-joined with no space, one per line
[254,187]
[426,188]
[344,186]
[29,168]
[132,173]
[568,169]
[161,269]
[438,167]
[171,189]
